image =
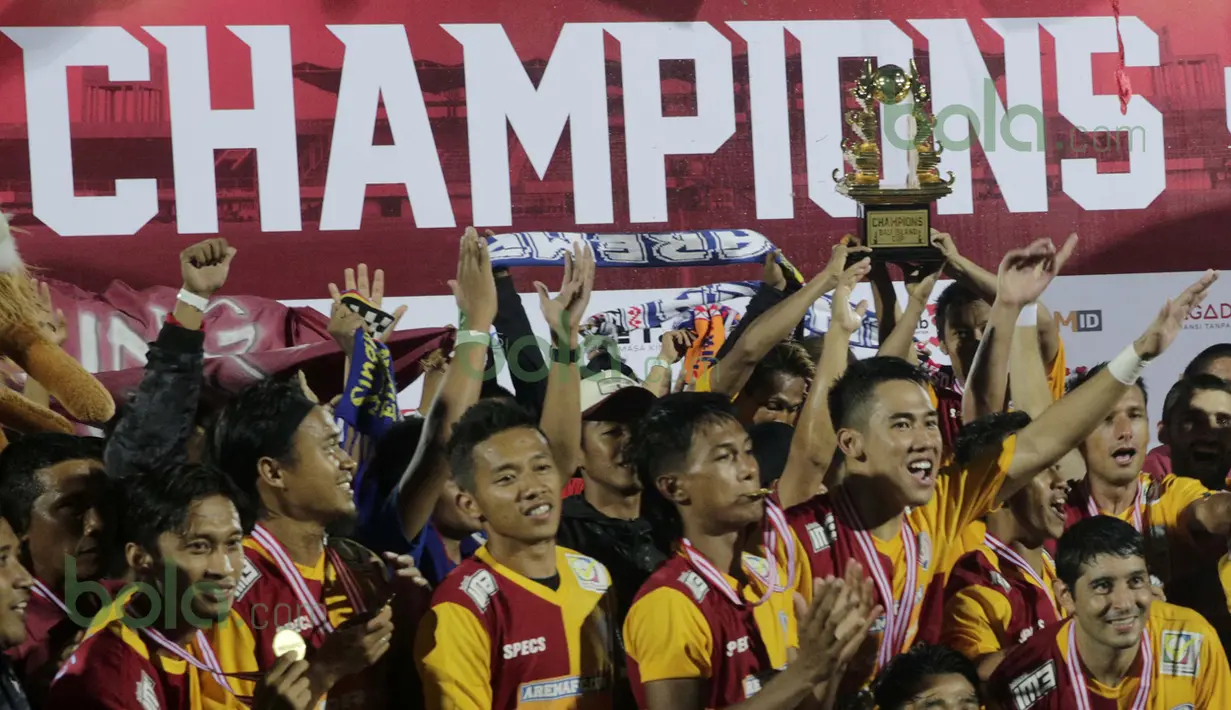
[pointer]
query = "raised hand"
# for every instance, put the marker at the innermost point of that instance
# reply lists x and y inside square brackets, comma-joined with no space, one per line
[372,291]
[565,312]
[1025,273]
[285,687]
[356,646]
[205,266]
[772,275]
[675,344]
[842,316]
[51,319]
[1166,326]
[946,245]
[475,287]
[839,255]
[343,322]
[920,282]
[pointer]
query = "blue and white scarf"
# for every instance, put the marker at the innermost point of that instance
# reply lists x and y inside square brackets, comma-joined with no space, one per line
[708,247]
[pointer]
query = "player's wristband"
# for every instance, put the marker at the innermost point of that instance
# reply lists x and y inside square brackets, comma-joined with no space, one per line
[192,300]
[568,356]
[1029,317]
[465,337]
[656,362]
[1127,366]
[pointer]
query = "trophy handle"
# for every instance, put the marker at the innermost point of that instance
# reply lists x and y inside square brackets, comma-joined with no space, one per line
[840,177]
[951,179]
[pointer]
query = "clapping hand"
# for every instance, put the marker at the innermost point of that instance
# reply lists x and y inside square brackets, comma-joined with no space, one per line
[475,287]
[564,312]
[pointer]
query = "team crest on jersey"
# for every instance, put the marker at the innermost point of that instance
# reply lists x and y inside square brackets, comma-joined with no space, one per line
[822,534]
[759,565]
[999,580]
[695,585]
[480,587]
[247,578]
[1034,686]
[147,694]
[925,549]
[1181,654]
[591,575]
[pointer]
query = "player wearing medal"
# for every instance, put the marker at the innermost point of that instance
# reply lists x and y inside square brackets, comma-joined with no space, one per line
[173,640]
[896,511]
[1121,648]
[716,625]
[284,450]
[1000,593]
[524,622]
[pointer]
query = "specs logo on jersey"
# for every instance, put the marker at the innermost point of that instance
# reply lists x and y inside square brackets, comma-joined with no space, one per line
[529,647]
[1181,654]
[740,645]
[1034,686]
[480,587]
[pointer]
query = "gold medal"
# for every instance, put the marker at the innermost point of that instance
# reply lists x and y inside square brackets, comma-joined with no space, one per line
[287,641]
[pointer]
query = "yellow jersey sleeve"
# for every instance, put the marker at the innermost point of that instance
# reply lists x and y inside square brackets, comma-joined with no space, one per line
[803,570]
[1056,373]
[453,654]
[1224,576]
[668,637]
[1178,493]
[963,496]
[976,619]
[1214,680]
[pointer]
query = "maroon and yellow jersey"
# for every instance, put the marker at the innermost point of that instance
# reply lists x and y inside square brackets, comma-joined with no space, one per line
[1189,669]
[118,668]
[681,628]
[962,497]
[267,603]
[990,606]
[496,639]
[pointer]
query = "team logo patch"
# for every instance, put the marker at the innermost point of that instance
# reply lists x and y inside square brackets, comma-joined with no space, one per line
[480,587]
[247,578]
[999,580]
[695,585]
[822,534]
[1181,654]
[1185,706]
[591,574]
[1034,686]
[759,565]
[925,549]
[147,694]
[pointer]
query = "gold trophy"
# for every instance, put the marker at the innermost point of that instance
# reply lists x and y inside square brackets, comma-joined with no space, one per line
[895,219]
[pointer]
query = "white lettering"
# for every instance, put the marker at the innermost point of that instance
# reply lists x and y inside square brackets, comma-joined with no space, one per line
[649,135]
[963,92]
[821,43]
[1077,39]
[740,645]
[529,647]
[47,54]
[378,67]
[197,130]
[128,347]
[89,354]
[771,131]
[499,95]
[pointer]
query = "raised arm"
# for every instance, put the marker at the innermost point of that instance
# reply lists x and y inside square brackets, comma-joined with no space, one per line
[673,347]
[475,292]
[774,287]
[561,416]
[1066,423]
[731,372]
[901,340]
[814,441]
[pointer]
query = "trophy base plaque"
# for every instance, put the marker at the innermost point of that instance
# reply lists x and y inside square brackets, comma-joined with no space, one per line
[895,223]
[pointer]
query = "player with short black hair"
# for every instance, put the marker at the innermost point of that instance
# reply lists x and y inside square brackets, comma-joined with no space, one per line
[927,676]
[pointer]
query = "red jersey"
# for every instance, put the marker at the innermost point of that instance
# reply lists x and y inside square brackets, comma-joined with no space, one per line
[49,630]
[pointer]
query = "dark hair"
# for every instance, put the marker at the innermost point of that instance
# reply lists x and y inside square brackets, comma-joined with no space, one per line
[988,430]
[1205,358]
[253,426]
[955,295]
[158,501]
[1089,538]
[771,445]
[852,394]
[491,389]
[900,681]
[1082,378]
[787,357]
[392,454]
[660,440]
[481,422]
[1187,386]
[25,457]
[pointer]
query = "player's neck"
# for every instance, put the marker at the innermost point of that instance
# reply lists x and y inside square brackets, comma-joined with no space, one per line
[1106,664]
[722,548]
[1004,526]
[612,502]
[878,513]
[304,541]
[171,624]
[533,560]
[1111,497]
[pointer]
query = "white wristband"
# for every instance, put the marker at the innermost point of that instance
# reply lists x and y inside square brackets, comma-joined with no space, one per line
[192,300]
[1029,317]
[1127,366]
[656,362]
[472,336]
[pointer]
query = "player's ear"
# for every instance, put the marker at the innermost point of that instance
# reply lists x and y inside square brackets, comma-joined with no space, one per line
[850,443]
[468,505]
[270,472]
[670,488]
[137,558]
[1163,437]
[1064,595]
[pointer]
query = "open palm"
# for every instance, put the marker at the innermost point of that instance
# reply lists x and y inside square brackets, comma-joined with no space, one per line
[1026,273]
[1166,326]
[564,312]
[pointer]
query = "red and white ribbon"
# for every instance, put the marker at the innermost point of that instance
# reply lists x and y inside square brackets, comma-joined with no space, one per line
[41,590]
[898,612]
[1138,504]
[775,528]
[209,662]
[1077,679]
[1008,554]
[316,611]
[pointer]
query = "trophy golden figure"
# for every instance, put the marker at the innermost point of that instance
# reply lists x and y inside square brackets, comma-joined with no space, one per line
[895,219]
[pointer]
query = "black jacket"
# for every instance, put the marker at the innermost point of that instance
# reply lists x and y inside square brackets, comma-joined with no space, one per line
[12,697]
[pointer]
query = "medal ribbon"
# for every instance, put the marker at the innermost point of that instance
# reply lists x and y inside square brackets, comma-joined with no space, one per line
[775,527]
[1138,504]
[1008,554]
[41,590]
[299,586]
[209,662]
[897,616]
[1077,679]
